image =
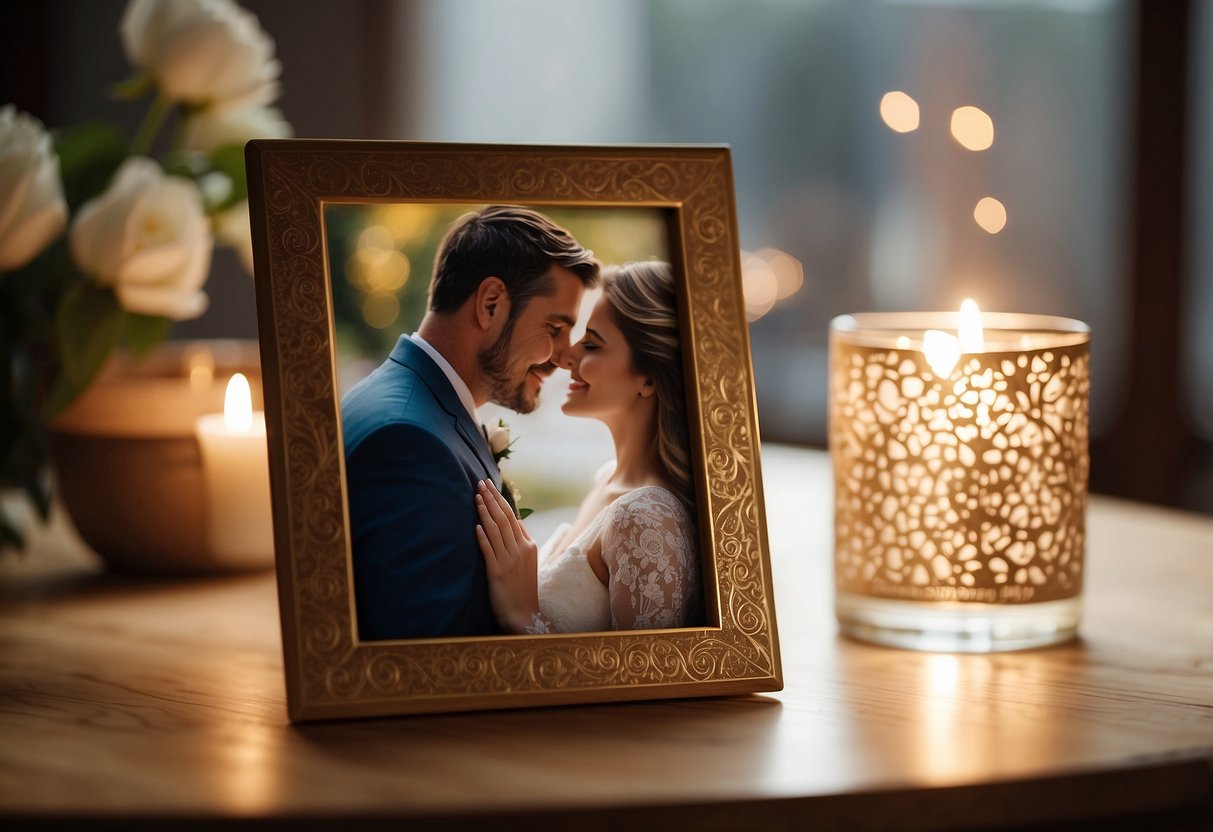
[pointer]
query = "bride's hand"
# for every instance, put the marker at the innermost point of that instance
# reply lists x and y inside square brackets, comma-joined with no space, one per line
[510,558]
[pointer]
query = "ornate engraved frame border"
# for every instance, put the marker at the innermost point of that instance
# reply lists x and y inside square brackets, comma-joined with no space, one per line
[329,672]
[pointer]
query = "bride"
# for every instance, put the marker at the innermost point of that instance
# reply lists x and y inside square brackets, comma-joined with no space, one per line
[629,559]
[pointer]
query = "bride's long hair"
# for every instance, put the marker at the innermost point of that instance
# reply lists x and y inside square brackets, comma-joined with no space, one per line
[645,308]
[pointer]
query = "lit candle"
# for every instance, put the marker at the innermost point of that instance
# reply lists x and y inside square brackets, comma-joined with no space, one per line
[235,471]
[959,443]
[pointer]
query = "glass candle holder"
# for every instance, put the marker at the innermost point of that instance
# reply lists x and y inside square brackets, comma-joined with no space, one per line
[960,492]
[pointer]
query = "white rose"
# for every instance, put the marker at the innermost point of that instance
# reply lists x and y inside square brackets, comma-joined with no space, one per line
[207,53]
[147,237]
[206,132]
[498,436]
[234,229]
[32,210]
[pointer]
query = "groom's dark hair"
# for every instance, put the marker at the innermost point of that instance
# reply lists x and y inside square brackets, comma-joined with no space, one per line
[515,244]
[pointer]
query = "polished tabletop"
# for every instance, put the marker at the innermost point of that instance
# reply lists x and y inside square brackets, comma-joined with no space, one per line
[131,703]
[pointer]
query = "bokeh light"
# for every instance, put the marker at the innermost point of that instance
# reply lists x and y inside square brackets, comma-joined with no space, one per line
[380,310]
[200,367]
[407,223]
[377,269]
[990,214]
[758,284]
[899,111]
[375,236]
[972,128]
[789,274]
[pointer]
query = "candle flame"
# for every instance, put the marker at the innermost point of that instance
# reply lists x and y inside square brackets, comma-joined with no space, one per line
[942,350]
[238,405]
[969,329]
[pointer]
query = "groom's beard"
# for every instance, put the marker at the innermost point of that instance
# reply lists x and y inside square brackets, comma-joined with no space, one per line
[504,390]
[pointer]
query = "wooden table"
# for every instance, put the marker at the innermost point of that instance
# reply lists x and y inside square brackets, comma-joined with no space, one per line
[133,704]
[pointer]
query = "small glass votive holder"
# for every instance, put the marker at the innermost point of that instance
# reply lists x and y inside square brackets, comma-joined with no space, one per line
[960,493]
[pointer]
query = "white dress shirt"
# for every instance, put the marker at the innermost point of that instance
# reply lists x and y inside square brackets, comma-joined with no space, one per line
[461,388]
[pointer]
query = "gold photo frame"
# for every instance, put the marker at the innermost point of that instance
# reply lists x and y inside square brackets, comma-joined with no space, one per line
[330,672]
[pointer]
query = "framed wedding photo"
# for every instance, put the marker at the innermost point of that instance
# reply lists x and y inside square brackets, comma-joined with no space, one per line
[513,443]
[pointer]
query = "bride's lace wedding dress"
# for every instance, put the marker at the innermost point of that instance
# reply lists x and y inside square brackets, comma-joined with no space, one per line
[648,547]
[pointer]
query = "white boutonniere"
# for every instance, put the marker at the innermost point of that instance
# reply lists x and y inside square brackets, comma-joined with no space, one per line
[498,437]
[500,442]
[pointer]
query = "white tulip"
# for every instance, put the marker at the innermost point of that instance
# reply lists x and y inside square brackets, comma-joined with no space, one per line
[147,237]
[233,228]
[206,132]
[207,53]
[32,209]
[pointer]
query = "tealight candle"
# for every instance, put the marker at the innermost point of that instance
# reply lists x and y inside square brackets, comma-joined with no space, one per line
[235,471]
[960,451]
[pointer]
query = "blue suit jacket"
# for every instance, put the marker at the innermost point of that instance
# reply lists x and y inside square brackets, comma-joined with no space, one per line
[413,456]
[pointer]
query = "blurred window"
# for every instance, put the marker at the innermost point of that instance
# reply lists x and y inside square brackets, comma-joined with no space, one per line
[887,155]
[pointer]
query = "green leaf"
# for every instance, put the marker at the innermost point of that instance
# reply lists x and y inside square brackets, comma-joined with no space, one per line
[524,513]
[22,437]
[144,332]
[229,159]
[89,324]
[11,533]
[89,154]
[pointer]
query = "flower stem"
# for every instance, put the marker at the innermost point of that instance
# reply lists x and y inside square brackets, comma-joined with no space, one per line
[188,111]
[141,145]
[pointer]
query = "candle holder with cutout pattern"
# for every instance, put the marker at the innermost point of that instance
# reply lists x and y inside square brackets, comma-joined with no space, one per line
[960,498]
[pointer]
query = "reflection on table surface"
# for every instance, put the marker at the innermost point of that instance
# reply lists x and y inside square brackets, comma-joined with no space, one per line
[127,696]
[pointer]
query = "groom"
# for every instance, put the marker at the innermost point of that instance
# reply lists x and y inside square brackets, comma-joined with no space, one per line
[504,295]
